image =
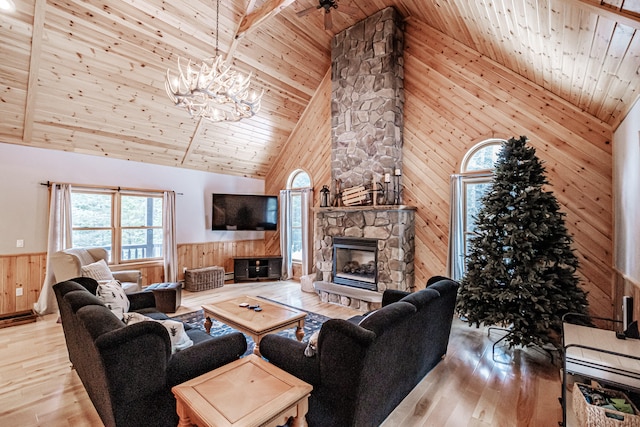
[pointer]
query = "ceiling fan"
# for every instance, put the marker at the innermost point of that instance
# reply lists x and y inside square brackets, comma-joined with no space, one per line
[327,5]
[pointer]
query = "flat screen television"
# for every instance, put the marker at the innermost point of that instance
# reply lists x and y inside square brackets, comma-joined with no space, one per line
[244,212]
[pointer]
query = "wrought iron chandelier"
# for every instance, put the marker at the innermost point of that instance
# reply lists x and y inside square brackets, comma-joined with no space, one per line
[212,89]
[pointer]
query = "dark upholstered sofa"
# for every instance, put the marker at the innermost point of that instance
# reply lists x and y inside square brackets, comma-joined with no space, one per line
[365,366]
[128,370]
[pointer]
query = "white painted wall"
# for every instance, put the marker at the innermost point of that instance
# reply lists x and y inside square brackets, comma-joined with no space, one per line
[626,184]
[24,202]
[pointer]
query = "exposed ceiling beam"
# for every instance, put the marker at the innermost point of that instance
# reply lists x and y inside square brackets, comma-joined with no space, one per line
[192,141]
[34,67]
[266,11]
[252,20]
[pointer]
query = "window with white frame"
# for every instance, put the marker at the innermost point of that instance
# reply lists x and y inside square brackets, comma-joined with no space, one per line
[468,188]
[298,180]
[476,165]
[128,224]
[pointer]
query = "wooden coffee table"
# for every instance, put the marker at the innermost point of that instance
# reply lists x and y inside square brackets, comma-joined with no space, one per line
[273,317]
[247,392]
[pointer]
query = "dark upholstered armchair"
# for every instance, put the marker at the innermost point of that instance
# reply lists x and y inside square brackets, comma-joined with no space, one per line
[364,367]
[128,370]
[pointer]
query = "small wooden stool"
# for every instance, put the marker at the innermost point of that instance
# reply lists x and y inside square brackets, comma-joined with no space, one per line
[168,296]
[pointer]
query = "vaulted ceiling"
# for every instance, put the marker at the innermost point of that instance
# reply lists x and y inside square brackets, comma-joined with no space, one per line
[87,76]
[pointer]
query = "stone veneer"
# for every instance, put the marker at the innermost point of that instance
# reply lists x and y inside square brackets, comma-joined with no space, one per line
[367,99]
[367,102]
[393,226]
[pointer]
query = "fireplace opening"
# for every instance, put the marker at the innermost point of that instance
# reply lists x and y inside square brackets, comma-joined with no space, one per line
[355,262]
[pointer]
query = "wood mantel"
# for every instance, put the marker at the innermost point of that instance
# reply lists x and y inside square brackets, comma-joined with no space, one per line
[365,208]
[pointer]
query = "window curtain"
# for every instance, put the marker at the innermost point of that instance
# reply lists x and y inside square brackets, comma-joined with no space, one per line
[285,232]
[169,244]
[307,229]
[455,256]
[59,239]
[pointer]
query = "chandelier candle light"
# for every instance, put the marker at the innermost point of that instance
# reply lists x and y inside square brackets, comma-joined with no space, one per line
[212,90]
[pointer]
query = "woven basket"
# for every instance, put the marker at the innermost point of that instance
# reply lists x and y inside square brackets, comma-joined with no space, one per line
[589,415]
[202,279]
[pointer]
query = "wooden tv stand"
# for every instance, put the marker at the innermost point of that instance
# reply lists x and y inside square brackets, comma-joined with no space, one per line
[267,267]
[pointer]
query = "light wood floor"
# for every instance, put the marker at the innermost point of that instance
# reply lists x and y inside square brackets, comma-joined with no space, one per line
[39,388]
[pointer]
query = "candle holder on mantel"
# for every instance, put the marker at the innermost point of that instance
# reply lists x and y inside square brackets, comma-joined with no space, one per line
[396,186]
[388,197]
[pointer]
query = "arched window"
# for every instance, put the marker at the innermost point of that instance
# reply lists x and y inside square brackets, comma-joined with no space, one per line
[467,189]
[482,156]
[298,180]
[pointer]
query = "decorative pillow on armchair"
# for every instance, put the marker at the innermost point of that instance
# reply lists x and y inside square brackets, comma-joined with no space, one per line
[179,338]
[112,295]
[98,270]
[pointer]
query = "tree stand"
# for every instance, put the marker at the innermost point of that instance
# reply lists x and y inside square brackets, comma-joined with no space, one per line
[508,331]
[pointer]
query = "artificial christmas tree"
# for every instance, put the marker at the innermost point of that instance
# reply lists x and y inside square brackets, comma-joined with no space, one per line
[521,269]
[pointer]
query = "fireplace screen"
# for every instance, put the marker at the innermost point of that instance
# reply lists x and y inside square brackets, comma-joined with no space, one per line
[355,262]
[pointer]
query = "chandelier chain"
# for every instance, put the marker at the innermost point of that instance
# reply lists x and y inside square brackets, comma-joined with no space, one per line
[217,24]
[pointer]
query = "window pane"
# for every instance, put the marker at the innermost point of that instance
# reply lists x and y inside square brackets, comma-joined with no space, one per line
[91,210]
[92,238]
[140,211]
[473,202]
[141,243]
[485,158]
[296,244]
[301,180]
[296,210]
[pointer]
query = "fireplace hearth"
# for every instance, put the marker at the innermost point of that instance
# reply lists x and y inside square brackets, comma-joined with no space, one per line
[355,262]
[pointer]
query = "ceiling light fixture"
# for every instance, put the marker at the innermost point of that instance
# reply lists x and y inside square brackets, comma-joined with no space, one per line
[212,89]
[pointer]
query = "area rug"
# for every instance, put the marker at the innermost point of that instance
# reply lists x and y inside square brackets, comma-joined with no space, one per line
[312,323]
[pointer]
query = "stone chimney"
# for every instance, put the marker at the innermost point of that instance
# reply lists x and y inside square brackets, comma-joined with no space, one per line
[367,99]
[366,132]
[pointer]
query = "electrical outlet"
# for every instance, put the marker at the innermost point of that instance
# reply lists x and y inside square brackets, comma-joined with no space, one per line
[19,243]
[18,292]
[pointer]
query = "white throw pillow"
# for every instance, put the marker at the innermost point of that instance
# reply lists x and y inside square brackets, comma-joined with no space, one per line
[113,296]
[98,270]
[179,338]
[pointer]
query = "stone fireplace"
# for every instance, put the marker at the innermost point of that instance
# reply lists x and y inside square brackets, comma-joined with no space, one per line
[392,228]
[355,262]
[366,133]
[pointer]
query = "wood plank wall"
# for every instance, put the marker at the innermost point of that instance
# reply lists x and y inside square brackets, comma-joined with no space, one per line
[27,271]
[196,255]
[455,98]
[308,148]
[24,271]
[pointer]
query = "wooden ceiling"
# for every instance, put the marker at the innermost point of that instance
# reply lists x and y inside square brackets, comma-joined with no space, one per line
[87,76]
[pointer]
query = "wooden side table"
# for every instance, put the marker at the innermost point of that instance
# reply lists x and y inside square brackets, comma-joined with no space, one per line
[247,392]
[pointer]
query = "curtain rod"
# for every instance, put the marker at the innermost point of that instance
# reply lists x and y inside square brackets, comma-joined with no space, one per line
[103,187]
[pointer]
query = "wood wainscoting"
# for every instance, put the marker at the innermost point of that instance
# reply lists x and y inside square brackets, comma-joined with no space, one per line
[24,273]
[21,273]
